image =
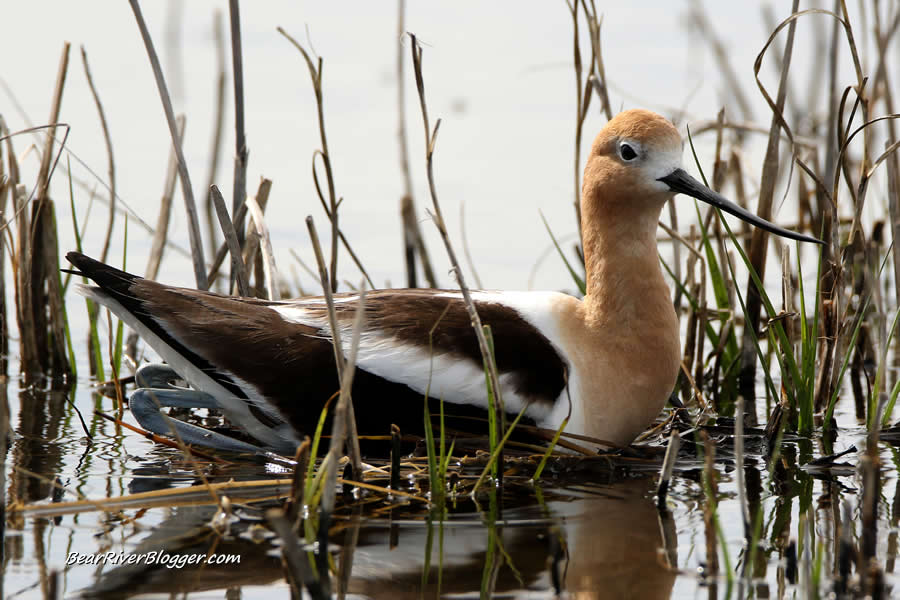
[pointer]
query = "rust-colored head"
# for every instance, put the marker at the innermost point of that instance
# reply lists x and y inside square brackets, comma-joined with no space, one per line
[635,166]
[628,158]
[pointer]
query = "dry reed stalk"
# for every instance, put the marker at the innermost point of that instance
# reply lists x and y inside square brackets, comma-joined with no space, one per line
[831,282]
[665,476]
[893,198]
[438,218]
[299,573]
[597,80]
[223,248]
[465,244]
[759,241]
[238,270]
[698,128]
[240,139]
[159,243]
[186,188]
[265,245]
[709,516]
[55,304]
[107,139]
[413,241]
[28,358]
[252,257]
[582,90]
[355,455]
[870,471]
[690,338]
[40,290]
[348,549]
[294,508]
[315,74]
[343,416]
[7,187]
[395,457]
[165,207]
[676,257]
[218,127]
[333,202]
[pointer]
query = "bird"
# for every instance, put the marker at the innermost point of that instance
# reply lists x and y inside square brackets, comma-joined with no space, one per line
[607,362]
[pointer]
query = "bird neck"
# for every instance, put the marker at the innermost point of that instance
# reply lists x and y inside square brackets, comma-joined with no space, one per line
[624,278]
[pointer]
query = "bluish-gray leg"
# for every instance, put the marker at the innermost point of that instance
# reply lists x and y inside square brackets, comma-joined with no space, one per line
[156,391]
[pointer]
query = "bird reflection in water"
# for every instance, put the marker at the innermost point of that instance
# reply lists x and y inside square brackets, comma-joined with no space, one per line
[587,540]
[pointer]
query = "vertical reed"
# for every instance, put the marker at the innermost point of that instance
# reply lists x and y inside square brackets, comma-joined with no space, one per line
[186,189]
[39,289]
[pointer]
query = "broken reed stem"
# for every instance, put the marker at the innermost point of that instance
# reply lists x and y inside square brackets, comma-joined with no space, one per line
[298,568]
[238,270]
[265,246]
[759,241]
[395,457]
[39,289]
[252,256]
[223,248]
[165,207]
[109,153]
[186,188]
[665,476]
[430,139]
[218,126]
[413,240]
[298,483]
[336,343]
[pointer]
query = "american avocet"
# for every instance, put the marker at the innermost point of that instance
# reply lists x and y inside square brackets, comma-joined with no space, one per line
[613,355]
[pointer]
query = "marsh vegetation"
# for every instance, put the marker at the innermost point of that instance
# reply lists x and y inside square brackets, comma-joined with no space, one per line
[772,473]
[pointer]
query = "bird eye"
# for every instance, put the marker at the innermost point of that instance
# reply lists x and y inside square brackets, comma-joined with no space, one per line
[627,152]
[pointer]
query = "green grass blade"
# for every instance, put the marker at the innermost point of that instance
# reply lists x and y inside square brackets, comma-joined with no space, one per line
[578,280]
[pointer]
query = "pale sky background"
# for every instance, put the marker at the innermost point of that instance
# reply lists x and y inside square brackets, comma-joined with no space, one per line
[498,75]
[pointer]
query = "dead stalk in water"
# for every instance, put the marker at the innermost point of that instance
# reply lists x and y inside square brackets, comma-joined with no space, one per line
[231,240]
[298,569]
[240,139]
[187,190]
[109,153]
[343,413]
[218,126]
[337,344]
[265,245]
[665,476]
[39,289]
[165,207]
[759,241]
[413,240]
[438,218]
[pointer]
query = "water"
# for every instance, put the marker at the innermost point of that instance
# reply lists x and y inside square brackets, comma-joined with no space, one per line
[501,80]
